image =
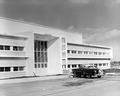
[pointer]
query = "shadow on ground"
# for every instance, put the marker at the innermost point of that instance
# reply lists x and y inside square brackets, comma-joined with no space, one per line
[77,83]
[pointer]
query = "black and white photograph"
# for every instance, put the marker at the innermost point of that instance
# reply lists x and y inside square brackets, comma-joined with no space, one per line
[59,47]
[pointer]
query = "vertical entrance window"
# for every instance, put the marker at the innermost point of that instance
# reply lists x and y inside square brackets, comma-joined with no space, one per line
[40,53]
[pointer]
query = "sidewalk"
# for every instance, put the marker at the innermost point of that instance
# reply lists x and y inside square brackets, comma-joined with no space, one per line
[30,79]
[112,74]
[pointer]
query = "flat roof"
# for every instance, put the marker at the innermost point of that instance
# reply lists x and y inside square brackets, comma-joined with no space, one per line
[14,36]
[31,23]
[91,45]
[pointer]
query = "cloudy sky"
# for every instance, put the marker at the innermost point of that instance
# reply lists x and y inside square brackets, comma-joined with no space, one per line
[98,20]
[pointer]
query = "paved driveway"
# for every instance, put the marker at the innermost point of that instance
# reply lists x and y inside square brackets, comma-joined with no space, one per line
[107,86]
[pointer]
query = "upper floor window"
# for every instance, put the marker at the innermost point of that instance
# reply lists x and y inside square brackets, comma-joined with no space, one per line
[5,69]
[73,51]
[15,48]
[79,52]
[85,52]
[1,47]
[21,48]
[104,53]
[4,47]
[100,53]
[68,51]
[40,45]
[95,53]
[18,48]
[7,47]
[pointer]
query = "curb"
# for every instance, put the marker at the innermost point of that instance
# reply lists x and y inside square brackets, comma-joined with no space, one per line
[22,80]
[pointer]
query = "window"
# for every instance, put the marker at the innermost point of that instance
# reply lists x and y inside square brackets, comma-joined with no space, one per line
[68,66]
[1,47]
[45,65]
[18,68]
[21,48]
[35,65]
[7,68]
[104,64]
[79,52]
[1,69]
[90,52]
[45,45]
[100,53]
[15,68]
[18,48]
[40,54]
[42,46]
[63,66]
[103,53]
[38,65]
[15,48]
[68,51]
[79,65]
[21,68]
[85,52]
[100,64]
[73,51]
[95,65]
[42,65]
[95,53]
[73,66]
[7,47]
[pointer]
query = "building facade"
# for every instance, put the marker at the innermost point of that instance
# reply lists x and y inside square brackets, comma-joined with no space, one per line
[88,55]
[28,49]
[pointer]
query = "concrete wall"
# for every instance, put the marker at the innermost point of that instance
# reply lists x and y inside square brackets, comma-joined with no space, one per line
[4,62]
[91,62]
[54,57]
[29,46]
[9,26]
[89,49]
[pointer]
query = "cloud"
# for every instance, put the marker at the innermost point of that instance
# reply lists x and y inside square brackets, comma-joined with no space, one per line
[113,2]
[116,1]
[2,1]
[103,36]
[80,1]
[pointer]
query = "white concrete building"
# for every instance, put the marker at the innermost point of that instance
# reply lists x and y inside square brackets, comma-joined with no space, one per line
[28,49]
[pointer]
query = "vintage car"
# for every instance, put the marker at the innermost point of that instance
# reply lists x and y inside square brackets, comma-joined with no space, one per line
[87,72]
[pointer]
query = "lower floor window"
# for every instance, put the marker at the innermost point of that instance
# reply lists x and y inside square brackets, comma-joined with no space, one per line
[63,66]
[15,68]
[1,69]
[82,65]
[18,68]
[8,69]
[68,66]
[21,68]
[73,66]
[5,69]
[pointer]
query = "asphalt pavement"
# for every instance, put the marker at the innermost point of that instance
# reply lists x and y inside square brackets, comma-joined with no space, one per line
[106,86]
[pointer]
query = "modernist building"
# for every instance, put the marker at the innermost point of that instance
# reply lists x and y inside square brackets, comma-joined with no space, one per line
[28,49]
